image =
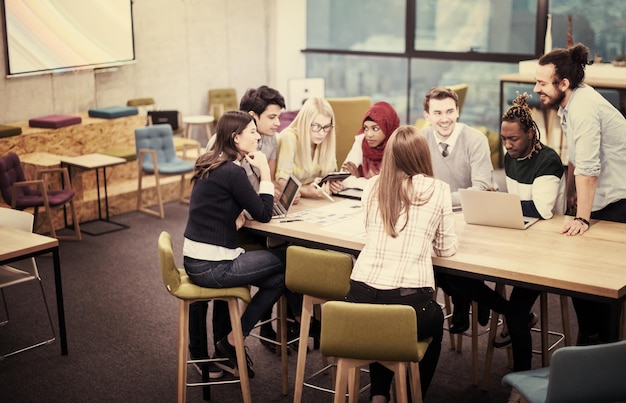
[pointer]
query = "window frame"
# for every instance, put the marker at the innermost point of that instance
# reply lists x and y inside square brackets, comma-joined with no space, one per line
[411,53]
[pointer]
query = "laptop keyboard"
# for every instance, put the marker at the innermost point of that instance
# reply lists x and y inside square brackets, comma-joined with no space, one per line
[277,210]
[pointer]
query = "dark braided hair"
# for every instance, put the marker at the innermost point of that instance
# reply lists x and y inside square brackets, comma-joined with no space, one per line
[520,112]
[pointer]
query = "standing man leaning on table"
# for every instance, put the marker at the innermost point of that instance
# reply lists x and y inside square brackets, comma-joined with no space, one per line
[461,158]
[596,142]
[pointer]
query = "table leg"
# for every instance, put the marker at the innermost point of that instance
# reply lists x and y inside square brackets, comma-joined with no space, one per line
[59,292]
[98,192]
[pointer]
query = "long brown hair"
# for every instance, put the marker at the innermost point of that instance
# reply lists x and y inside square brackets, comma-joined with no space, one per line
[406,155]
[224,148]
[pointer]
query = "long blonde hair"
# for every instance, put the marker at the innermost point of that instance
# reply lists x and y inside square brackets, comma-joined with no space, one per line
[406,155]
[301,126]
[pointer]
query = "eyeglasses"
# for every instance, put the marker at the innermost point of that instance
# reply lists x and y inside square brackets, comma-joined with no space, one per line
[316,127]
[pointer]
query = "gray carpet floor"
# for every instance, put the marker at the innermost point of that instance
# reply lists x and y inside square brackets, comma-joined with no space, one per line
[121,327]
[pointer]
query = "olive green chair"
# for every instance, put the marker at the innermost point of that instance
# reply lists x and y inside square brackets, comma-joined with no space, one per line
[349,113]
[357,334]
[320,276]
[178,284]
[222,100]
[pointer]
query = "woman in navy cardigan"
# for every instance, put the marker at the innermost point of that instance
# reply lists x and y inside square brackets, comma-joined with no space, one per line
[221,191]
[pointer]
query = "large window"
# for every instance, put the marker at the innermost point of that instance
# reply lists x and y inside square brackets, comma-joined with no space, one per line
[484,26]
[396,50]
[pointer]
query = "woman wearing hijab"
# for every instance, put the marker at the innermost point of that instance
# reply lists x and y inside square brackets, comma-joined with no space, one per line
[364,159]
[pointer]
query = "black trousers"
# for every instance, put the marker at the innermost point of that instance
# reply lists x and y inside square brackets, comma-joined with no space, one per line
[516,310]
[429,324]
[594,317]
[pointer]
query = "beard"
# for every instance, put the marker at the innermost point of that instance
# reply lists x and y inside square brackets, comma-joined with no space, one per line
[555,101]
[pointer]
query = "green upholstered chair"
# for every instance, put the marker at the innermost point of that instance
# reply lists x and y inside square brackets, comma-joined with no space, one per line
[178,284]
[349,114]
[578,374]
[222,100]
[156,155]
[320,276]
[357,334]
[21,272]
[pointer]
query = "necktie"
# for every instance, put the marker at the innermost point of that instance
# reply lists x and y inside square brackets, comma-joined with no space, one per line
[444,146]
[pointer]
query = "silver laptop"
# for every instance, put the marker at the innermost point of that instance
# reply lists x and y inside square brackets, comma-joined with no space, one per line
[288,195]
[496,209]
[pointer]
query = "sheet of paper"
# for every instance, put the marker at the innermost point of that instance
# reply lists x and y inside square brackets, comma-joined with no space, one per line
[344,217]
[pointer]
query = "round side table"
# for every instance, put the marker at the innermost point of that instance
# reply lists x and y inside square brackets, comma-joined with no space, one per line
[198,120]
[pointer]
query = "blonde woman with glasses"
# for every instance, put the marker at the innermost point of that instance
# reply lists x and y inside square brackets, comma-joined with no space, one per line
[306,149]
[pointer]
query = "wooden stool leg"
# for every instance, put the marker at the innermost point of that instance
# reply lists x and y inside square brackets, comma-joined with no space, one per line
[416,382]
[341,382]
[307,308]
[235,322]
[183,335]
[492,336]
[282,327]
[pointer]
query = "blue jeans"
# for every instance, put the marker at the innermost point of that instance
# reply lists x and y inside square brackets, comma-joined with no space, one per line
[264,269]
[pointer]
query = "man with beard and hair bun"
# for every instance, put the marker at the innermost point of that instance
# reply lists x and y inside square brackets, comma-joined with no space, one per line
[596,142]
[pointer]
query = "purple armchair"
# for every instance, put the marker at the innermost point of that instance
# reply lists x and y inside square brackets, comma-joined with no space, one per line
[21,194]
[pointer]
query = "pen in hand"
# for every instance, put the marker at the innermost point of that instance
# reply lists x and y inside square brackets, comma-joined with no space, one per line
[324,192]
[294,220]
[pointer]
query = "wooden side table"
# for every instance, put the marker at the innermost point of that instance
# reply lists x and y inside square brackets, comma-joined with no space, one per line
[97,161]
[205,121]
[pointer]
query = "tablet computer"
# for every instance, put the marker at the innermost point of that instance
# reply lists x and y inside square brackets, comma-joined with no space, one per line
[334,176]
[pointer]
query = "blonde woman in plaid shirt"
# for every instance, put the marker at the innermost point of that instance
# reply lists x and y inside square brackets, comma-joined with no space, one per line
[408,219]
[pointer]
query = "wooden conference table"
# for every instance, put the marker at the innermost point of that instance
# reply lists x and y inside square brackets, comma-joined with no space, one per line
[16,245]
[592,266]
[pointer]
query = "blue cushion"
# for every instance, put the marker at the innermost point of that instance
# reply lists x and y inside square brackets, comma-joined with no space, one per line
[111,112]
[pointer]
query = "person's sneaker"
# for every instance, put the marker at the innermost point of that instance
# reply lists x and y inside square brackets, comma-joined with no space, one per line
[268,333]
[227,350]
[503,338]
[214,371]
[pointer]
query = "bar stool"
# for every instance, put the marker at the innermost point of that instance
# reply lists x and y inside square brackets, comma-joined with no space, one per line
[205,121]
[320,276]
[282,342]
[456,343]
[357,334]
[178,284]
[564,337]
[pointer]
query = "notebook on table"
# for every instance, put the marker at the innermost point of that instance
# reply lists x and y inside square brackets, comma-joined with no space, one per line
[350,193]
[496,209]
[287,196]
